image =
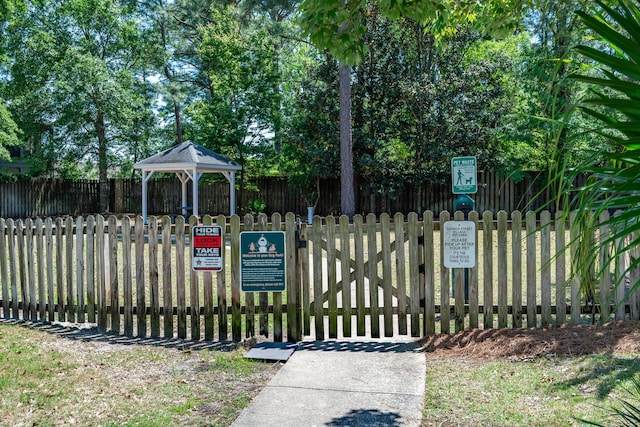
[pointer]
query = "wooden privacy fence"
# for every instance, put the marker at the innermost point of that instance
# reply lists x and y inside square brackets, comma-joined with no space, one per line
[377,276]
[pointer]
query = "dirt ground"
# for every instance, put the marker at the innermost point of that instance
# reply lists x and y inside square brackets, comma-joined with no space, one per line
[621,337]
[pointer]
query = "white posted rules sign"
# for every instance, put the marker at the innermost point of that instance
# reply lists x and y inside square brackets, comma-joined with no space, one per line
[459,244]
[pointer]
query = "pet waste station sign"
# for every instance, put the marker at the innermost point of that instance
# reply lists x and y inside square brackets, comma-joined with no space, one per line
[262,261]
[206,248]
[464,175]
[459,244]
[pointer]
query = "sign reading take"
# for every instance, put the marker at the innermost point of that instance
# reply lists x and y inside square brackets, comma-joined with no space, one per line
[206,248]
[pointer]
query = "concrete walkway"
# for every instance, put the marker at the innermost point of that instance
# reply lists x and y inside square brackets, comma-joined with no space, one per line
[343,383]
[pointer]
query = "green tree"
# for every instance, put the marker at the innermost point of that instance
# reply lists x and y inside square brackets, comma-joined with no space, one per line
[77,82]
[340,28]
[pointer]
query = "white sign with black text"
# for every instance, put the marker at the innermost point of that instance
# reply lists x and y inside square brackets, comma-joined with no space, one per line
[459,244]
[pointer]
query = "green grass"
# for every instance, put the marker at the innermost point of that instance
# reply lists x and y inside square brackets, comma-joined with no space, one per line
[556,392]
[47,380]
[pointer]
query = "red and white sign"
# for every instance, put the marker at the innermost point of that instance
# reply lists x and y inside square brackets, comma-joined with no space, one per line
[207,248]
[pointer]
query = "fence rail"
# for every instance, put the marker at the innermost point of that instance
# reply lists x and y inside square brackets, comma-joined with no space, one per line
[374,275]
[55,197]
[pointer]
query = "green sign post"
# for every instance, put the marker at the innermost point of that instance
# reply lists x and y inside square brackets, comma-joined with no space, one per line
[262,261]
[464,176]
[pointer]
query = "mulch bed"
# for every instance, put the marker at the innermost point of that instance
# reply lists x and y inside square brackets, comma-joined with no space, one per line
[621,338]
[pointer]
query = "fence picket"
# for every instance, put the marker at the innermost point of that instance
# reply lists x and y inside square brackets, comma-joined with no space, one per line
[207,285]
[154,289]
[561,278]
[114,285]
[332,282]
[167,282]
[249,297]
[263,297]
[414,272]
[459,291]
[387,289]
[91,265]
[221,285]
[445,316]
[474,309]
[127,285]
[180,278]
[59,270]
[503,291]
[516,274]
[194,288]
[487,260]
[101,268]
[236,316]
[317,277]
[358,241]
[532,269]
[545,268]
[276,225]
[41,296]
[401,272]
[345,269]
[296,280]
[141,286]
[372,275]
[4,272]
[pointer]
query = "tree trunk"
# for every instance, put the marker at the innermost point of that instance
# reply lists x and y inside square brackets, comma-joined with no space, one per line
[102,163]
[347,193]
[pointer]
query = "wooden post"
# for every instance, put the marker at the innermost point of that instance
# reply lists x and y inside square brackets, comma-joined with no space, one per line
[429,274]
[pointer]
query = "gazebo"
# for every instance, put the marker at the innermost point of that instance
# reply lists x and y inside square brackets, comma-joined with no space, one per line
[188,161]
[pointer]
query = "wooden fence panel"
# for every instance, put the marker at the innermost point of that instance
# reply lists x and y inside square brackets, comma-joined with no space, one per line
[71,268]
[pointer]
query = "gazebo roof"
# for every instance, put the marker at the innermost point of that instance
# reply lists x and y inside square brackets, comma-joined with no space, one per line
[189,156]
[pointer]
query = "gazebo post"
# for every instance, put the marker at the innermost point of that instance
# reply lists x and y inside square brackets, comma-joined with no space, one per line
[144,195]
[194,179]
[232,193]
